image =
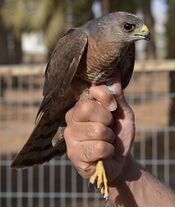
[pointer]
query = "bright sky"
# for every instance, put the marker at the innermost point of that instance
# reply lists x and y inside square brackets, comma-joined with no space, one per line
[159,5]
[159,10]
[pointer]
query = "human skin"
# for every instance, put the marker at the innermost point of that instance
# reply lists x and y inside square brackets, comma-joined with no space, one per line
[103,127]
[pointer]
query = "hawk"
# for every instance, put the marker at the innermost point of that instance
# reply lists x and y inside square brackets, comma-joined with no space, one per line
[88,55]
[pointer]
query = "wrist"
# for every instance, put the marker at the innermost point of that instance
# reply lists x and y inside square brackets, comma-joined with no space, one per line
[131,172]
[137,187]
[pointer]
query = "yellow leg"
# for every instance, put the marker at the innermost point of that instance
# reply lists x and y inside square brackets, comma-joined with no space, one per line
[99,177]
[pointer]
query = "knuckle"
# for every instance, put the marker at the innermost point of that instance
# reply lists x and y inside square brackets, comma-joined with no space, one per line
[103,94]
[90,130]
[106,96]
[87,152]
[85,167]
[84,107]
[86,170]
[95,130]
[98,131]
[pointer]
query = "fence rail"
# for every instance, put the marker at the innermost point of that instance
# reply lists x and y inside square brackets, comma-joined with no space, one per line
[37,69]
[56,183]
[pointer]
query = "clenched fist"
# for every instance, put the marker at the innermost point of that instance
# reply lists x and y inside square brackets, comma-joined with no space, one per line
[100,128]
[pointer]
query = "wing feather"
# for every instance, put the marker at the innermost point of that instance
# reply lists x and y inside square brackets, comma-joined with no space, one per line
[62,67]
[59,73]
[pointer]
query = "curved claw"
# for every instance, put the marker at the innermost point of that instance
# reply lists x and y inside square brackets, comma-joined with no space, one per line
[90,186]
[99,180]
[106,198]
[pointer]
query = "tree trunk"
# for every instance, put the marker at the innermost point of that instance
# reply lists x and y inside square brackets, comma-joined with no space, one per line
[171,30]
[3,54]
[3,45]
[106,6]
[171,54]
[17,51]
[171,124]
[149,20]
[10,50]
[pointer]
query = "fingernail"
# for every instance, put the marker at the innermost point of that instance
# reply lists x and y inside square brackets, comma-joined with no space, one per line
[113,106]
[112,89]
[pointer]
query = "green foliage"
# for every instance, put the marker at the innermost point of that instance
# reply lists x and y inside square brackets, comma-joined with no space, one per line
[54,28]
[82,11]
[16,14]
[29,15]
[170,29]
[123,5]
[49,16]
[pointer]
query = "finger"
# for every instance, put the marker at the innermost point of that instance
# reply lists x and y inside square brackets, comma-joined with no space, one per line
[115,86]
[86,131]
[102,94]
[91,111]
[95,150]
[124,109]
[125,126]
[86,170]
[84,155]
[86,173]
[89,151]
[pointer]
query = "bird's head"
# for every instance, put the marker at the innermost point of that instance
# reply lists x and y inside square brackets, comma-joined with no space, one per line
[130,26]
[120,27]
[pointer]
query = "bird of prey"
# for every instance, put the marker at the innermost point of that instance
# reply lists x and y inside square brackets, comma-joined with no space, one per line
[88,55]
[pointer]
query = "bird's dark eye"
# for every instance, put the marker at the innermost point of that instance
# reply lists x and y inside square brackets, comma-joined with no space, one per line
[129,27]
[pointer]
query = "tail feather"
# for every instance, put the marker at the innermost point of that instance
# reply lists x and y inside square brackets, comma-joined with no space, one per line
[38,148]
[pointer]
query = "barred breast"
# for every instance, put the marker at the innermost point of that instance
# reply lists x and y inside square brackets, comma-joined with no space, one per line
[98,62]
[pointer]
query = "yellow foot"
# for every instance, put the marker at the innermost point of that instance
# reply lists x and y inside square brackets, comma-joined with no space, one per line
[99,178]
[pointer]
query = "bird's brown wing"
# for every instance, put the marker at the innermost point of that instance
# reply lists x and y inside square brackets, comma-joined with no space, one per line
[127,65]
[59,74]
[62,66]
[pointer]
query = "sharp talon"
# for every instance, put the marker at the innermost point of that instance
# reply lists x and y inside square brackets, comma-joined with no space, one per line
[90,186]
[106,199]
[101,185]
[99,180]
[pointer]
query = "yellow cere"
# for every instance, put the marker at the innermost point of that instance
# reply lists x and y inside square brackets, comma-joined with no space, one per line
[144,29]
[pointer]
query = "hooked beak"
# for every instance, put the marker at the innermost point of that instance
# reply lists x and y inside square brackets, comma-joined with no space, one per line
[143,33]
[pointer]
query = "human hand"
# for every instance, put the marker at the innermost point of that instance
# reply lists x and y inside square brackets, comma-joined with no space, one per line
[100,131]
[104,129]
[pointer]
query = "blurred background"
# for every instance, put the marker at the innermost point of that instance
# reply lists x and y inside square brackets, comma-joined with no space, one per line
[29,30]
